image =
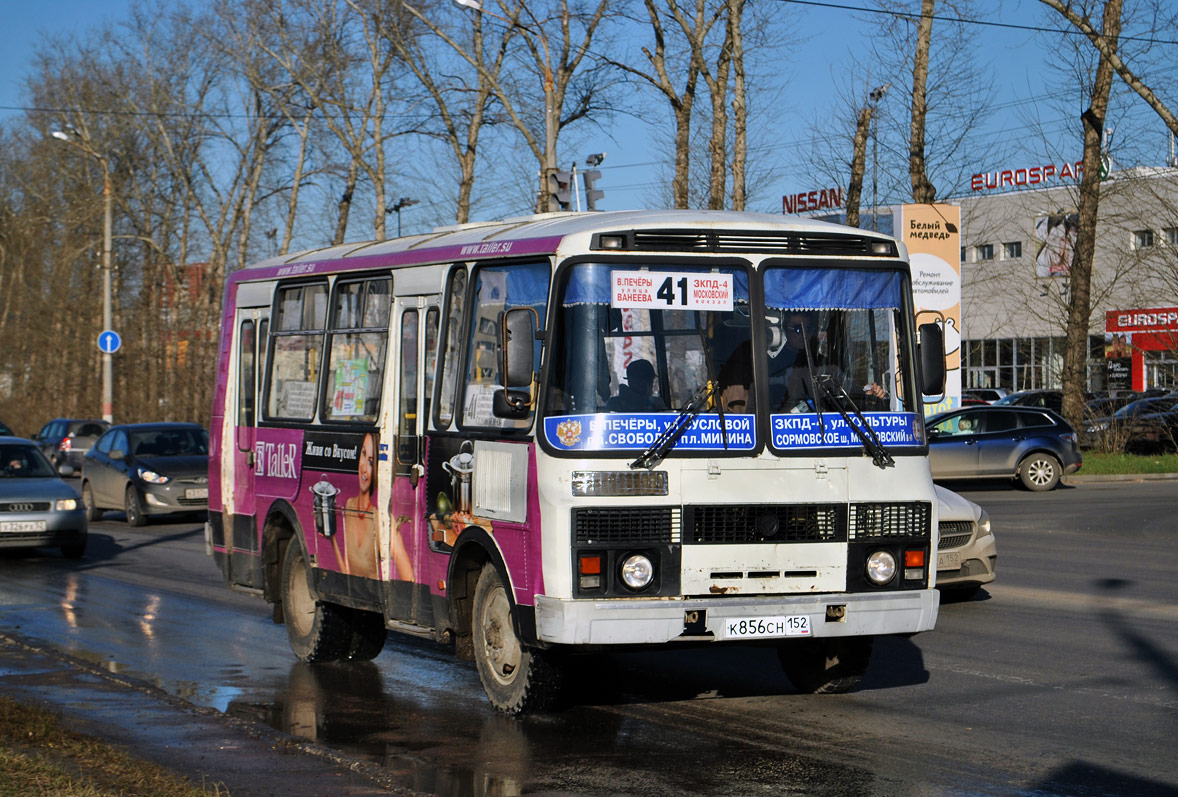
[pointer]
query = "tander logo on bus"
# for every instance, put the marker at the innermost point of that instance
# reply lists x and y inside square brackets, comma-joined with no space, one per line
[491,248]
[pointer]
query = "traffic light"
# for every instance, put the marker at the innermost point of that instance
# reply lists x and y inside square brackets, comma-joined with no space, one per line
[560,189]
[592,194]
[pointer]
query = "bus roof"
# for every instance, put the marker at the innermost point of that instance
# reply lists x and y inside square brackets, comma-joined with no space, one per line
[547,230]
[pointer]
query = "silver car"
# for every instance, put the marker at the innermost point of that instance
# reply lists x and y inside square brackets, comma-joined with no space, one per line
[37,508]
[966,552]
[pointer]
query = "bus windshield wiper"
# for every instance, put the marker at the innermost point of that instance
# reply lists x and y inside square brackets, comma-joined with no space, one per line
[867,436]
[666,440]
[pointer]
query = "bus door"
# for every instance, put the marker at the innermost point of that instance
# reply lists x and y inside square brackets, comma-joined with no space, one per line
[415,332]
[241,528]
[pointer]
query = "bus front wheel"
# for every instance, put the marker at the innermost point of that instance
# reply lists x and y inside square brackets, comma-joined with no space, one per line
[318,631]
[517,679]
[831,665]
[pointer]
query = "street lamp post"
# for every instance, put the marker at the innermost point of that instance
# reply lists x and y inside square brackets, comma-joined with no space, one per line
[876,95]
[549,202]
[83,144]
[400,205]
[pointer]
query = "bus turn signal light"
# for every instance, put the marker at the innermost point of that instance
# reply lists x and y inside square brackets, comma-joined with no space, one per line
[590,567]
[914,558]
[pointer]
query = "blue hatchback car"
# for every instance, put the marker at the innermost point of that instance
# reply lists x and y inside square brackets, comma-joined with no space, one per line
[1034,446]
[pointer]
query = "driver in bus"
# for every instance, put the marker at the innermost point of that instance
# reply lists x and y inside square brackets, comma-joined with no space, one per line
[637,395]
[801,391]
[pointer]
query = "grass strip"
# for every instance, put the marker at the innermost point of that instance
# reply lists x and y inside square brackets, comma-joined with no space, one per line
[1096,464]
[38,755]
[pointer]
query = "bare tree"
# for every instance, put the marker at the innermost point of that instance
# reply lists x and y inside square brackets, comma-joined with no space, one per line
[922,188]
[463,102]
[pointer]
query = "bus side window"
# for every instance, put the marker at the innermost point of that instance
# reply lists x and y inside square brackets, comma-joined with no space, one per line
[358,336]
[451,359]
[407,411]
[246,355]
[431,358]
[296,351]
[497,289]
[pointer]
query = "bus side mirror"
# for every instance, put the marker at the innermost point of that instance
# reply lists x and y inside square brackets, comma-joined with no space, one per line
[518,330]
[931,353]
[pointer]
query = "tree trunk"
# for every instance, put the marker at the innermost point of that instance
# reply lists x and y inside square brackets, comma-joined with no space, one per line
[1075,371]
[739,107]
[858,165]
[922,189]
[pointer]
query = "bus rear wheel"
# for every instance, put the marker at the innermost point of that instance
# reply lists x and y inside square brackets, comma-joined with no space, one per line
[368,635]
[831,665]
[516,678]
[318,631]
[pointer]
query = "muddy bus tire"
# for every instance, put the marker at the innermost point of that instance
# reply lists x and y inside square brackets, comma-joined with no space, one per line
[832,665]
[368,635]
[516,678]
[318,631]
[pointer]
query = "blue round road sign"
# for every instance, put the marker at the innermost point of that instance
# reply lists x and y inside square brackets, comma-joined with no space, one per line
[109,341]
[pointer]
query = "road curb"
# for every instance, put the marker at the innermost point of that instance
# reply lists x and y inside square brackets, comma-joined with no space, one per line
[1098,478]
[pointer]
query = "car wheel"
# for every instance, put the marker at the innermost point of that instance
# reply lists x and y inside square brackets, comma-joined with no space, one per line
[318,631]
[516,678]
[75,549]
[828,666]
[132,507]
[92,510]
[1039,472]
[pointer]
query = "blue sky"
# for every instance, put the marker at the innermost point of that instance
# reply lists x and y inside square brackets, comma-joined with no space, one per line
[1017,60]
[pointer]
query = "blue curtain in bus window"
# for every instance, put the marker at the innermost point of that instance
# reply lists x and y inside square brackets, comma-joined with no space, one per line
[832,288]
[589,283]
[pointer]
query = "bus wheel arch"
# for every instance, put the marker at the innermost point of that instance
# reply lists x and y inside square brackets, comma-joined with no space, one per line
[281,526]
[473,549]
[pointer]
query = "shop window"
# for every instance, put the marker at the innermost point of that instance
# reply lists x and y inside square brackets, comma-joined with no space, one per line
[984,252]
[1012,250]
[1142,239]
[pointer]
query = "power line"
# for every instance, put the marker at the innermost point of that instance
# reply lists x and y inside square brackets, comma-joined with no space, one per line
[962,20]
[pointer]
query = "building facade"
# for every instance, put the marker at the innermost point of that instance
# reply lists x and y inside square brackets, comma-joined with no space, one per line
[1017,239]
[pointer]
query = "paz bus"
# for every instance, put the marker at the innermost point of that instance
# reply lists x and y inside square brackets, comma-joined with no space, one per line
[575,433]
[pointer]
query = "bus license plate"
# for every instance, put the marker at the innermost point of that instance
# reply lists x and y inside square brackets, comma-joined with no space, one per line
[753,627]
[197,492]
[22,525]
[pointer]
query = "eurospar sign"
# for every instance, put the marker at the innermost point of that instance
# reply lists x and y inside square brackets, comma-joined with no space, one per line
[1026,175]
[1153,319]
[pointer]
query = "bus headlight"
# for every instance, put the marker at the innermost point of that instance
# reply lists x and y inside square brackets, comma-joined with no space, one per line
[637,571]
[881,567]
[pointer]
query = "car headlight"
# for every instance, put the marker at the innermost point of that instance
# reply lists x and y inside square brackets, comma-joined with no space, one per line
[152,477]
[637,571]
[66,504]
[984,524]
[881,567]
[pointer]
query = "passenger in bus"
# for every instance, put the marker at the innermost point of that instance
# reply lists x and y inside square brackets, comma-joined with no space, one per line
[801,386]
[637,395]
[736,380]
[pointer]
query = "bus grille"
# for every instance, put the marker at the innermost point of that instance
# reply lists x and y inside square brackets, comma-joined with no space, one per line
[769,523]
[870,521]
[758,241]
[626,525]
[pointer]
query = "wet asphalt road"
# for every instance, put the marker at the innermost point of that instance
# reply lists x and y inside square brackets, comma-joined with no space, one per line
[1062,678]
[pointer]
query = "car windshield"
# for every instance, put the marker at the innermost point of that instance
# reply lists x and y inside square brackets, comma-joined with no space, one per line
[1141,406]
[23,461]
[170,443]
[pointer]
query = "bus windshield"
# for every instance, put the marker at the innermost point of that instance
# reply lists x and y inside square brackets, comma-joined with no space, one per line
[633,344]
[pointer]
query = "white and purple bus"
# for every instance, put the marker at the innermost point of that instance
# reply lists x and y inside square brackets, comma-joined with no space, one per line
[581,432]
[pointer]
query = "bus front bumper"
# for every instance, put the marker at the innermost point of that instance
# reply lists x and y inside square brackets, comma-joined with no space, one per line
[641,622]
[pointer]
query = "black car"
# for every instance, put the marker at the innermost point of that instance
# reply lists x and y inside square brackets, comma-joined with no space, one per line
[36,507]
[5,431]
[1146,424]
[1035,446]
[1046,399]
[147,469]
[66,440]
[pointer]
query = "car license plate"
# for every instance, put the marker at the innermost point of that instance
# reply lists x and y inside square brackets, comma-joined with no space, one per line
[22,525]
[753,627]
[949,561]
[197,492]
